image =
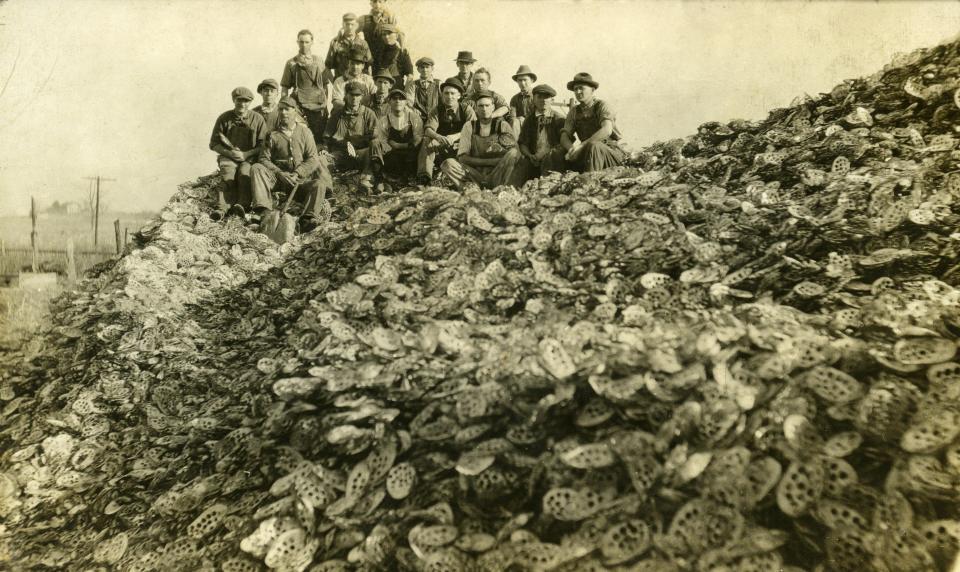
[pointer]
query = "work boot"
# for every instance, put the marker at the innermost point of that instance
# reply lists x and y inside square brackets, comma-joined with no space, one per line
[307,224]
[424,179]
[236,210]
[216,215]
[366,182]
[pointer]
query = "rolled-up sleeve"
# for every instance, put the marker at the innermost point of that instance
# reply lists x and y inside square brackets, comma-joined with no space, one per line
[417,125]
[466,135]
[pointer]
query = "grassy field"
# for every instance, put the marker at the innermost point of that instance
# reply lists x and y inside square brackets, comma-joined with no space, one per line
[22,312]
[53,232]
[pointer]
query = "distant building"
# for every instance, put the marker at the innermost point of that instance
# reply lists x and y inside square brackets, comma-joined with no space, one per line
[64,208]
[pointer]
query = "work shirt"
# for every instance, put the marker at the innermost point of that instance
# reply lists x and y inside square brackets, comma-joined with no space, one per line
[405,128]
[357,127]
[448,121]
[270,118]
[521,105]
[244,133]
[498,139]
[424,95]
[293,151]
[378,102]
[467,81]
[498,102]
[541,132]
[396,61]
[340,86]
[304,74]
[584,120]
[370,25]
[338,55]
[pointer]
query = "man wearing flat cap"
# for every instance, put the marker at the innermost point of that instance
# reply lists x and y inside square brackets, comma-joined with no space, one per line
[358,61]
[236,139]
[442,129]
[371,24]
[540,137]
[269,91]
[289,157]
[393,57]
[465,61]
[424,93]
[350,133]
[594,124]
[348,38]
[481,84]
[303,78]
[521,104]
[487,153]
[377,101]
[399,132]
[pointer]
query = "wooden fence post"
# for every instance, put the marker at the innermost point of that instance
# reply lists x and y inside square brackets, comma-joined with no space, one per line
[126,236]
[116,235]
[33,233]
[71,262]
[3,248]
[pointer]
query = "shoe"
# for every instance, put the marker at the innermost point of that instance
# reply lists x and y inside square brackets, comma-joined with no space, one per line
[366,181]
[424,179]
[307,224]
[236,210]
[216,215]
[382,187]
[257,215]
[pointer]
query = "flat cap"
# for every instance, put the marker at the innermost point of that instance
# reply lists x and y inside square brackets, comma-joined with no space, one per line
[353,88]
[388,28]
[478,95]
[425,61]
[544,90]
[358,54]
[241,93]
[397,93]
[349,17]
[455,83]
[268,83]
[288,102]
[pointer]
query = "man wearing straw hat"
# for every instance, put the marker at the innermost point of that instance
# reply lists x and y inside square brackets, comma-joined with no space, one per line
[289,157]
[521,104]
[593,123]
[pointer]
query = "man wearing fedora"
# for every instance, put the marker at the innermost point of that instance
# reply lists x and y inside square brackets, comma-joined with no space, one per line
[465,61]
[350,132]
[348,38]
[236,139]
[358,60]
[487,153]
[424,93]
[269,91]
[540,137]
[399,132]
[377,101]
[303,78]
[594,124]
[289,157]
[442,129]
[521,104]
[393,57]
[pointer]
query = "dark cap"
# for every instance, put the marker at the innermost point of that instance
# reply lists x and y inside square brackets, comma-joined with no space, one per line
[425,61]
[358,54]
[388,29]
[288,102]
[544,90]
[524,70]
[478,95]
[397,93]
[353,88]
[268,83]
[465,57]
[349,17]
[455,83]
[385,75]
[241,93]
[582,78]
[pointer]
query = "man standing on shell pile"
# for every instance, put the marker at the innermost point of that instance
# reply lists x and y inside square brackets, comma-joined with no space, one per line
[347,39]
[488,153]
[289,156]
[236,138]
[372,26]
[593,123]
[393,57]
[303,78]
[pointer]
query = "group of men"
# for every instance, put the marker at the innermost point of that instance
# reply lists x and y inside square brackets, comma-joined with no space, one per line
[363,110]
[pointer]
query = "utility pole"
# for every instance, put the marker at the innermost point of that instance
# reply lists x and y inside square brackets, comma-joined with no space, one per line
[96,209]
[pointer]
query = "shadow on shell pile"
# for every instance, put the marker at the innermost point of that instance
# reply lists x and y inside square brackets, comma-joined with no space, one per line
[734,355]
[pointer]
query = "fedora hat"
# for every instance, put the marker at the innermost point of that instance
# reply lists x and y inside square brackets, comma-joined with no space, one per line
[584,78]
[524,70]
[358,54]
[465,57]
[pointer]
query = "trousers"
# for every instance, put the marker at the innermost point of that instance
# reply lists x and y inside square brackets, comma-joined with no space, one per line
[598,156]
[430,150]
[236,179]
[312,191]
[490,177]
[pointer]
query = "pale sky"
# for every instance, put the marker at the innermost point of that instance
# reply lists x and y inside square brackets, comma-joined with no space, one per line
[129,89]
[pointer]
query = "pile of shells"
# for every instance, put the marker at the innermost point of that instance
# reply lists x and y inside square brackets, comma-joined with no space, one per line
[735,354]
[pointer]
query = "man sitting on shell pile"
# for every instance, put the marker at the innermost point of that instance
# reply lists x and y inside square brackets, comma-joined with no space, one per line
[594,124]
[236,138]
[488,153]
[289,157]
[350,132]
[441,132]
[398,138]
